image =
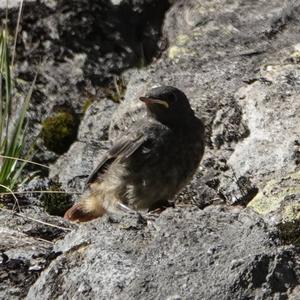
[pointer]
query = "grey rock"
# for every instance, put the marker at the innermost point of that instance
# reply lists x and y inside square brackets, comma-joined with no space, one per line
[76,55]
[12,3]
[116,2]
[22,258]
[94,126]
[238,62]
[279,203]
[216,52]
[72,168]
[185,253]
[26,248]
[272,112]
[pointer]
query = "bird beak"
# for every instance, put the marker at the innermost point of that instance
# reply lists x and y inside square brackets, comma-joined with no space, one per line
[148,101]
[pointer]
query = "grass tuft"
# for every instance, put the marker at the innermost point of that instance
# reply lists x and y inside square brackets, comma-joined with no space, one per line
[12,121]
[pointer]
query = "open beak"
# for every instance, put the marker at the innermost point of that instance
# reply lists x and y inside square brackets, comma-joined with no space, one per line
[148,101]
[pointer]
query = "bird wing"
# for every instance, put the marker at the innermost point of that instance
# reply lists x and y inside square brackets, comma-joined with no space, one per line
[121,150]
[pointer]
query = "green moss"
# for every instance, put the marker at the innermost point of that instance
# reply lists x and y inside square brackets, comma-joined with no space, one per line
[56,203]
[290,232]
[87,103]
[59,131]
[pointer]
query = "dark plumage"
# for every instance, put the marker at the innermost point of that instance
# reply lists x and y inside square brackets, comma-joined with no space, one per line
[150,163]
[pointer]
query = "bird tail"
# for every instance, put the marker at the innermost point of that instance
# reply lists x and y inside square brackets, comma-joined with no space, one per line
[87,209]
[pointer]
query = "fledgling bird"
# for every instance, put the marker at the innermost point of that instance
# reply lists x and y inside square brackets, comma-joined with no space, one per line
[153,160]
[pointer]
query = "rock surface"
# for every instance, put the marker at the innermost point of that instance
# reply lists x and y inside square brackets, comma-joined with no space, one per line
[184,254]
[279,203]
[242,81]
[77,57]
[238,62]
[92,142]
[26,249]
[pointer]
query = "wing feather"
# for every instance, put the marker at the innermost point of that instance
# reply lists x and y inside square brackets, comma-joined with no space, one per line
[121,150]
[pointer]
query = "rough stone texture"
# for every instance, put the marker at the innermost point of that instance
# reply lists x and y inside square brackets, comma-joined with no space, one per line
[279,203]
[12,3]
[72,175]
[19,263]
[243,82]
[84,154]
[26,249]
[184,254]
[127,36]
[233,60]
[94,126]
[238,62]
[271,108]
[274,193]
[78,57]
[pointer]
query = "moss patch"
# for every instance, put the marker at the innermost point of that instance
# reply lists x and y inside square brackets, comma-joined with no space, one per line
[56,203]
[87,103]
[59,131]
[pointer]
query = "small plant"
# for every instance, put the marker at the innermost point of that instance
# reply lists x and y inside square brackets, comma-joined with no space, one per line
[87,103]
[59,131]
[14,156]
[56,203]
[120,89]
[116,90]
[12,132]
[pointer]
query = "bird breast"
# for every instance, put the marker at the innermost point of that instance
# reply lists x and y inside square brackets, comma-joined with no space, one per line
[160,168]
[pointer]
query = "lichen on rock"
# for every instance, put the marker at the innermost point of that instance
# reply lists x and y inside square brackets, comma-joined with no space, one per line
[279,202]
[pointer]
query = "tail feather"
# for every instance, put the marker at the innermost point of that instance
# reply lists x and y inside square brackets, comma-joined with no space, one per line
[85,210]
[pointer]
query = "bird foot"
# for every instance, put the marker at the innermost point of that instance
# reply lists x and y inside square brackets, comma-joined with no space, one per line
[143,218]
[124,208]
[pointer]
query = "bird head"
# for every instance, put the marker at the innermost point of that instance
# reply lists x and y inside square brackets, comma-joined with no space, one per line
[167,105]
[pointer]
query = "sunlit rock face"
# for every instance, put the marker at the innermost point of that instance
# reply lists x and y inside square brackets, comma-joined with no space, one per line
[238,63]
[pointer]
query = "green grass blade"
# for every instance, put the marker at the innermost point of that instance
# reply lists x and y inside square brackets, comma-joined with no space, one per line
[17,142]
[12,133]
[16,33]
[1,114]
[19,126]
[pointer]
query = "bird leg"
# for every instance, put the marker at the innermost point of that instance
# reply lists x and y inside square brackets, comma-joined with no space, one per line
[121,206]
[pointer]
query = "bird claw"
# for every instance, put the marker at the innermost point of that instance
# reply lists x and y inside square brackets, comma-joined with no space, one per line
[124,208]
[143,218]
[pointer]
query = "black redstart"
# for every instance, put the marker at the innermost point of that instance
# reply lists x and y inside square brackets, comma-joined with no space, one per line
[153,160]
